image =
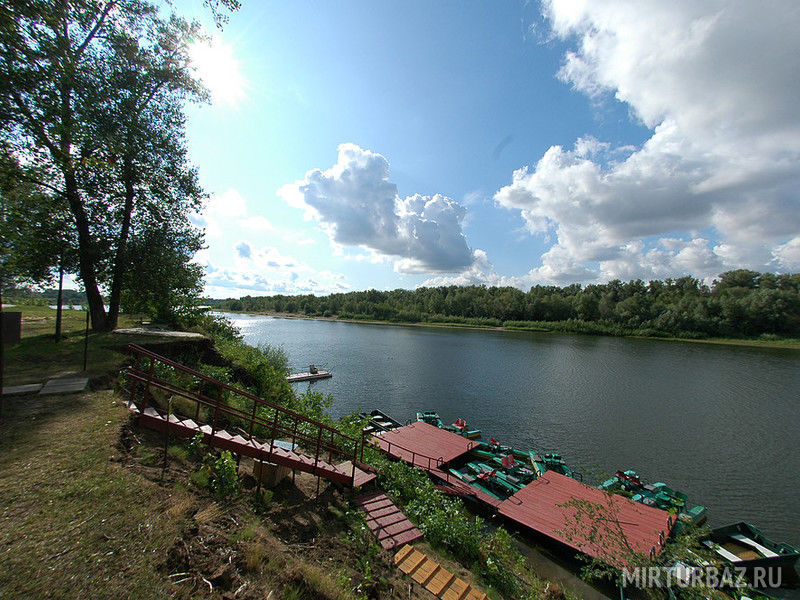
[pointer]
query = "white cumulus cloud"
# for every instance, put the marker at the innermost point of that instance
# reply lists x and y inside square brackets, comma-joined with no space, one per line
[265,271]
[717,84]
[357,205]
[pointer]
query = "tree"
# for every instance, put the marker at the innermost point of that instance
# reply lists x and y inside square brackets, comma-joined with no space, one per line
[91,94]
[162,281]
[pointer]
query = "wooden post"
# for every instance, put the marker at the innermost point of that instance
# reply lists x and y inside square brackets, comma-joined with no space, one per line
[59,301]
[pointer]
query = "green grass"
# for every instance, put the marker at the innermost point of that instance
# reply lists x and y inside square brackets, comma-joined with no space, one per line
[37,357]
[75,524]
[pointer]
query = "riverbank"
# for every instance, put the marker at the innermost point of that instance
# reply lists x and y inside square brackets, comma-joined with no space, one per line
[787,344]
[96,506]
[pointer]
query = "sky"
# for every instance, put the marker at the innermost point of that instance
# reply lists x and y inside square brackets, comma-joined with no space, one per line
[357,145]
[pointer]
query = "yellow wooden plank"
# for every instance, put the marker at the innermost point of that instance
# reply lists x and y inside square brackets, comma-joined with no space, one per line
[438,569]
[456,591]
[440,581]
[402,553]
[412,561]
[475,594]
[425,570]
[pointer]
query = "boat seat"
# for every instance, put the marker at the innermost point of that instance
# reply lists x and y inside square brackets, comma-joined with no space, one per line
[754,544]
[722,552]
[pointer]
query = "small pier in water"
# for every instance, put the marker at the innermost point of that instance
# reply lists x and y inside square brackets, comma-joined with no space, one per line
[312,374]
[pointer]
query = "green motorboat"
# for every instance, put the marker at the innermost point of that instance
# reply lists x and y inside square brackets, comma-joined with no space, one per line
[658,495]
[459,426]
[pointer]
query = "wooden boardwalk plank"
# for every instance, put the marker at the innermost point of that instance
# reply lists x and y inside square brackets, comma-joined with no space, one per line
[440,581]
[433,577]
[456,591]
[425,571]
[387,522]
[412,561]
[403,553]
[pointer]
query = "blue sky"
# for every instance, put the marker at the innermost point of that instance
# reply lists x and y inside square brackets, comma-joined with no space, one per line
[359,145]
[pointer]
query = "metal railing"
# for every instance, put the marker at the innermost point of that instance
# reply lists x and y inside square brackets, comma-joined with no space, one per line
[262,419]
[428,463]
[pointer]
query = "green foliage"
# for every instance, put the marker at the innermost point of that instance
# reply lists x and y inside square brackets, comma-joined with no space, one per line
[98,118]
[739,304]
[226,476]
[179,452]
[161,281]
[446,524]
[196,446]
[202,477]
[262,500]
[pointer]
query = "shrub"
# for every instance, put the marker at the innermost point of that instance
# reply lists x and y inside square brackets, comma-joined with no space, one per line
[226,475]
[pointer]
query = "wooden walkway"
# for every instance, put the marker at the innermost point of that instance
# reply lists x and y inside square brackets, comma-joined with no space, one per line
[250,415]
[345,474]
[429,574]
[387,522]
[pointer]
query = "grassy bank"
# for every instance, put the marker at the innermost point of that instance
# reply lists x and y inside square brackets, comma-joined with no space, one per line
[568,327]
[38,357]
[94,507]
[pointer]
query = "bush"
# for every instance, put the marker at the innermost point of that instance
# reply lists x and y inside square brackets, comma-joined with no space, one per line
[446,524]
[226,476]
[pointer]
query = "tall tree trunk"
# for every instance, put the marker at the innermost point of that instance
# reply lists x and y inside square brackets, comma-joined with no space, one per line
[120,256]
[2,349]
[86,255]
[87,258]
[60,297]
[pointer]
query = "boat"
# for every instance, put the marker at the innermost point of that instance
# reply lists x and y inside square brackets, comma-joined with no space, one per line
[554,462]
[460,426]
[379,421]
[496,482]
[743,545]
[658,494]
[539,463]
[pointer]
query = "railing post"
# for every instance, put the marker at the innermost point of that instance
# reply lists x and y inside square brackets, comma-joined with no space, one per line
[135,382]
[316,456]
[253,418]
[147,385]
[274,429]
[216,412]
[330,450]
[361,452]
[294,434]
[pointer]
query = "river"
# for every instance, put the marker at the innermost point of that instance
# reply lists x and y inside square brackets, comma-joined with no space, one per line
[720,423]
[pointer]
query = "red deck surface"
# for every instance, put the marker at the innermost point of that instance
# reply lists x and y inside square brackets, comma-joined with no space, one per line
[387,522]
[538,506]
[423,445]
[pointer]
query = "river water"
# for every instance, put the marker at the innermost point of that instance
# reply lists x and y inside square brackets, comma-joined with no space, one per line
[720,423]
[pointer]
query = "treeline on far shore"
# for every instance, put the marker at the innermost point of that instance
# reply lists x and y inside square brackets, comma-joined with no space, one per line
[738,304]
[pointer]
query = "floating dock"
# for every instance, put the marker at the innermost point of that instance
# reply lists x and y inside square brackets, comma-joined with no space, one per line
[554,506]
[308,376]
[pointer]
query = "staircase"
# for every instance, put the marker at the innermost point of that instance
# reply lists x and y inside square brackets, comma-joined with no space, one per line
[314,445]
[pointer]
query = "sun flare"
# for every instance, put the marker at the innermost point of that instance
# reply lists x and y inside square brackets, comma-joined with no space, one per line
[216,66]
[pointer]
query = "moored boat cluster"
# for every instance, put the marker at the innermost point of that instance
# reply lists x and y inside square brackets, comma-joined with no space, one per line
[498,472]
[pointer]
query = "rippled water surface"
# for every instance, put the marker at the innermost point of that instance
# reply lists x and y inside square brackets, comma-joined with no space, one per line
[721,423]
